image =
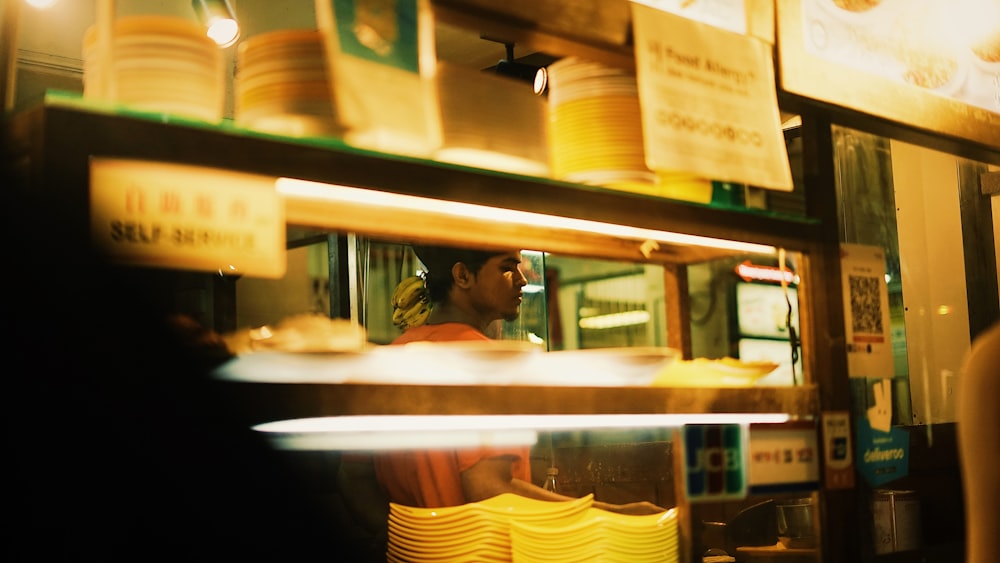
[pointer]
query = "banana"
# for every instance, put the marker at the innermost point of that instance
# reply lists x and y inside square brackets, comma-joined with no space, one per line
[414,316]
[408,292]
[417,316]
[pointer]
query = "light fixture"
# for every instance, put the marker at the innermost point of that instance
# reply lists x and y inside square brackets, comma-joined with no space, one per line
[615,320]
[403,432]
[445,211]
[41,4]
[219,19]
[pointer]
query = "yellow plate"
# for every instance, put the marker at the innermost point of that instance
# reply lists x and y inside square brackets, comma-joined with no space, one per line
[702,372]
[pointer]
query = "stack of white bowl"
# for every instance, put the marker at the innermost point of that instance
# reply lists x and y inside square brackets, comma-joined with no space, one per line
[477,531]
[598,535]
[282,86]
[595,125]
[158,63]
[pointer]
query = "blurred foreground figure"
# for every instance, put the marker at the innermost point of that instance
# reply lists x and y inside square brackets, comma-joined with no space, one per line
[979,445]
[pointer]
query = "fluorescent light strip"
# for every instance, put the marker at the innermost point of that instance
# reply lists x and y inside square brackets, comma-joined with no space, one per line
[335,193]
[386,432]
[615,320]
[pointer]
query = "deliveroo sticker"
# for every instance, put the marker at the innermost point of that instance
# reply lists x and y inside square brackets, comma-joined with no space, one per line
[715,462]
[883,451]
[381,31]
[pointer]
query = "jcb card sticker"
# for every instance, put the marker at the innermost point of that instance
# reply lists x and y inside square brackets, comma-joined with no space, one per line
[866,311]
[708,100]
[715,462]
[187,218]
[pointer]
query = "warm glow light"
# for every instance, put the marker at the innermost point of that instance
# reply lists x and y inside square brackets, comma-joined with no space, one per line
[219,20]
[449,431]
[615,320]
[389,201]
[41,4]
[224,31]
[750,271]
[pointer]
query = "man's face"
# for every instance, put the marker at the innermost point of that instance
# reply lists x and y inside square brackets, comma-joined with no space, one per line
[497,293]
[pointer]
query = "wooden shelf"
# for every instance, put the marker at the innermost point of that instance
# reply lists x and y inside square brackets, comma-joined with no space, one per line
[68,132]
[275,401]
[55,141]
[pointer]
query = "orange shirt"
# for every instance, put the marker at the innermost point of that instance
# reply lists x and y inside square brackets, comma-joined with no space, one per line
[434,478]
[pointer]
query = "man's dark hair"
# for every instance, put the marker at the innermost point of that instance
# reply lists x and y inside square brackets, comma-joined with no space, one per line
[438,261]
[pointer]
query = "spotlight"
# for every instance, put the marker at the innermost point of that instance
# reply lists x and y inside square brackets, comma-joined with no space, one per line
[538,76]
[220,20]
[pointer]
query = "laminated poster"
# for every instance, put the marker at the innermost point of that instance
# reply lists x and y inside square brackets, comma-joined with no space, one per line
[382,63]
[708,100]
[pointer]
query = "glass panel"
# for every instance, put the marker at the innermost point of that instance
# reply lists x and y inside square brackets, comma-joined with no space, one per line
[739,310]
[907,200]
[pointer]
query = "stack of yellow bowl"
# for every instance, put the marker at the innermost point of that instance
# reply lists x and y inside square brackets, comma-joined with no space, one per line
[477,531]
[595,125]
[158,63]
[281,85]
[599,535]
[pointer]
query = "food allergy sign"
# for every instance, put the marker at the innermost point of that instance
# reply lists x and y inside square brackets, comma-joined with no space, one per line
[708,100]
[186,217]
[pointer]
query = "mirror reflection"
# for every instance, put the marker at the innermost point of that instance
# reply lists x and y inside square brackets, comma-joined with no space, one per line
[730,307]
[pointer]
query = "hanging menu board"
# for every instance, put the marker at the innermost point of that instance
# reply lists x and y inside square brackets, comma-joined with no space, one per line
[708,98]
[933,65]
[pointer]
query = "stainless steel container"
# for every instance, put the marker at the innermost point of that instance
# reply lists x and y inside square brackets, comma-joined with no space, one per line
[795,522]
[896,519]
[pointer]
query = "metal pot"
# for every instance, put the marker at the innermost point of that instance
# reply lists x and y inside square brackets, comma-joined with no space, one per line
[795,520]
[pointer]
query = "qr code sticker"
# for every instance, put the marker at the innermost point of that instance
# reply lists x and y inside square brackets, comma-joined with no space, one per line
[866,304]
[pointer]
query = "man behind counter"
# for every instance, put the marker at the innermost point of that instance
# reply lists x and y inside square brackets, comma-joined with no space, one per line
[468,291]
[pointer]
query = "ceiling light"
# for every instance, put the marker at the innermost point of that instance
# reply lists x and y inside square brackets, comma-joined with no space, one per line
[219,19]
[41,4]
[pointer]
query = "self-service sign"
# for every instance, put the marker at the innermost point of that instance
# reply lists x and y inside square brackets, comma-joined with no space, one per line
[187,217]
[715,462]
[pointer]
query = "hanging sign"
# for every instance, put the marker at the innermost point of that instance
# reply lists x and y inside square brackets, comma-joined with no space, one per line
[838,463]
[883,450]
[727,14]
[783,457]
[708,100]
[866,311]
[186,217]
[381,61]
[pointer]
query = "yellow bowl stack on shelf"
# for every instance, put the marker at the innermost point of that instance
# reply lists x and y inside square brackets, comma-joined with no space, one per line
[595,126]
[282,85]
[158,63]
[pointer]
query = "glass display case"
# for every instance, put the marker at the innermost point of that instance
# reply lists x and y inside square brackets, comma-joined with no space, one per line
[348,216]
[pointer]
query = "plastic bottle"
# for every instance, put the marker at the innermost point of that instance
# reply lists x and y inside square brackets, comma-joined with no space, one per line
[550,479]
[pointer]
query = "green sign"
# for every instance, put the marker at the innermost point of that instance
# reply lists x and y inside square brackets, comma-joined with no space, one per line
[882,456]
[381,31]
